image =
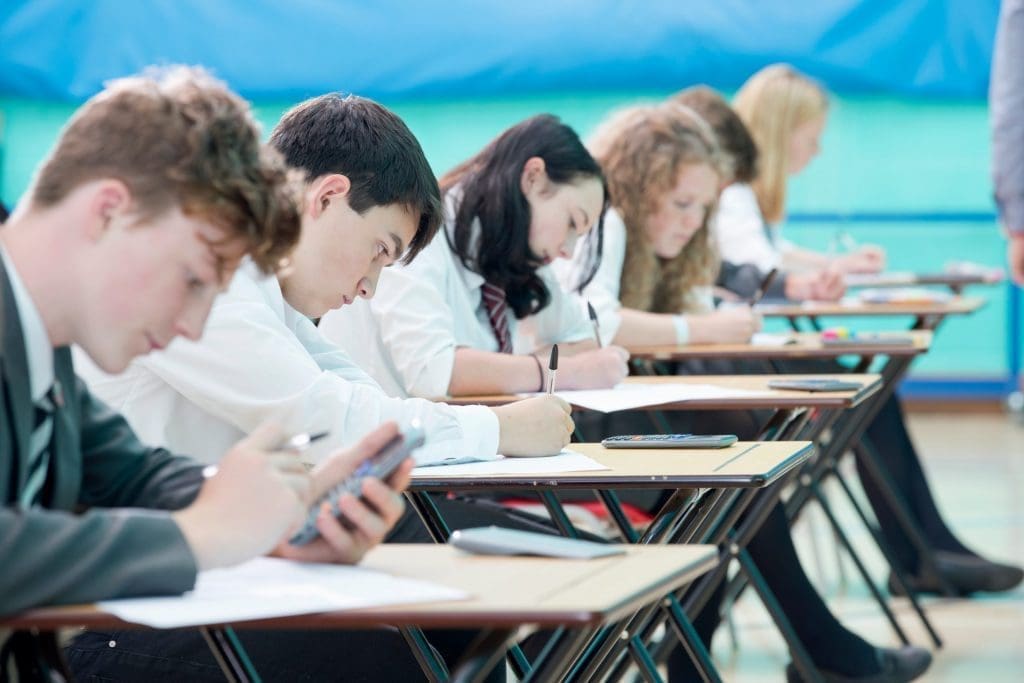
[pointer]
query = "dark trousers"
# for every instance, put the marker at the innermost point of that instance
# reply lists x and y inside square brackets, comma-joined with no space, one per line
[376,655]
[899,460]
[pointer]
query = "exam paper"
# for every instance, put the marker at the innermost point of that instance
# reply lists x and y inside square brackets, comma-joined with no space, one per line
[639,395]
[904,295]
[870,279]
[269,587]
[771,339]
[566,461]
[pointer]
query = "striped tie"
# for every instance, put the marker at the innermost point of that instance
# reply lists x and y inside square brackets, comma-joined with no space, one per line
[497,309]
[39,452]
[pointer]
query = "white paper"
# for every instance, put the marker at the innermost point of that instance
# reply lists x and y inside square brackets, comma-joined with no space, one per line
[903,295]
[871,279]
[639,395]
[269,587]
[566,461]
[771,339]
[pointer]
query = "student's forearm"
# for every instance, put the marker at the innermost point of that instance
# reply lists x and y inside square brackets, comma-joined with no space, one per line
[565,349]
[640,328]
[804,259]
[485,372]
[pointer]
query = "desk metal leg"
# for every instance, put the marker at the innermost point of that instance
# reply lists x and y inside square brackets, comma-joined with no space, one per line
[232,658]
[559,656]
[801,658]
[858,563]
[558,514]
[482,656]
[898,572]
[431,516]
[433,667]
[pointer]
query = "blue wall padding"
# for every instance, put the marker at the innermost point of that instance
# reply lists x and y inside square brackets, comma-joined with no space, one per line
[394,49]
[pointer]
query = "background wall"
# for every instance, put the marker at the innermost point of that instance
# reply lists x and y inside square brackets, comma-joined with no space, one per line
[907,139]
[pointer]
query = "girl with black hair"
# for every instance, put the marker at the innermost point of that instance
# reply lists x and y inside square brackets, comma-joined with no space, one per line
[479,308]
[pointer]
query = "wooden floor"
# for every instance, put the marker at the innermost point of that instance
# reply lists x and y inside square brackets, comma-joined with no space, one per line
[976,466]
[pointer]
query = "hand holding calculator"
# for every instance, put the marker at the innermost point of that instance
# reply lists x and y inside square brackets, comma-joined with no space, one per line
[379,466]
[670,441]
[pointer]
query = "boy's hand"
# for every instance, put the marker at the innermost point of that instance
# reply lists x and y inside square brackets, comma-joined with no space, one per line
[368,520]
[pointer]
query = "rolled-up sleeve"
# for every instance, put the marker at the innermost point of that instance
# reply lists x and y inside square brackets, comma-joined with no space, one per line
[1007,111]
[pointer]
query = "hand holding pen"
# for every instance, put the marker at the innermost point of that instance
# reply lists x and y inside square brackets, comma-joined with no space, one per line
[762,289]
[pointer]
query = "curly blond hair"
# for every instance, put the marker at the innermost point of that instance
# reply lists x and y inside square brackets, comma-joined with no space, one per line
[642,150]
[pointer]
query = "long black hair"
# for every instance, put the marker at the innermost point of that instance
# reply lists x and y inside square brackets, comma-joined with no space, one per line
[489,184]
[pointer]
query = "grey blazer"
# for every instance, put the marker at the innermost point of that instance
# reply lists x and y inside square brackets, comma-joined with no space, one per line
[92,539]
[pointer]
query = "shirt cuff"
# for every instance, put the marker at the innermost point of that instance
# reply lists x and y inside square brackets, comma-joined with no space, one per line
[1011,214]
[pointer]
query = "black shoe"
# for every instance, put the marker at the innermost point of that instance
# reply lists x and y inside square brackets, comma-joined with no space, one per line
[965,574]
[895,665]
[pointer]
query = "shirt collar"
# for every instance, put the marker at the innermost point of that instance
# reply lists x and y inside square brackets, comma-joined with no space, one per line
[38,349]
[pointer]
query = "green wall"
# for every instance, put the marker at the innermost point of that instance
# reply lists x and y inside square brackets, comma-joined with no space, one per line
[878,155]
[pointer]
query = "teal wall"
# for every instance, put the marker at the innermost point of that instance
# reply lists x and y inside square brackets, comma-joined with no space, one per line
[878,155]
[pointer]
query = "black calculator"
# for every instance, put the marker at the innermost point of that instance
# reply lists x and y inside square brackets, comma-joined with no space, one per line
[670,441]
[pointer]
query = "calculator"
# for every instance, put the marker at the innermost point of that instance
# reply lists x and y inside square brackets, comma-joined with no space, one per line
[814,384]
[670,441]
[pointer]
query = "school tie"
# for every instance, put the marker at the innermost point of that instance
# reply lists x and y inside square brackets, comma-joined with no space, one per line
[497,313]
[39,451]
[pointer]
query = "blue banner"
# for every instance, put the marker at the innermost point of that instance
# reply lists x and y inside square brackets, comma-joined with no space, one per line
[407,49]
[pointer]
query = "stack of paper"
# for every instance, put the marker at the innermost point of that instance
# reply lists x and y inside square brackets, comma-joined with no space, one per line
[566,461]
[267,587]
[633,395]
[771,339]
[904,295]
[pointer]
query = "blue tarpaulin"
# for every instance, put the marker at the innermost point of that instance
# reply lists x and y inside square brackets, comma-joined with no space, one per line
[66,49]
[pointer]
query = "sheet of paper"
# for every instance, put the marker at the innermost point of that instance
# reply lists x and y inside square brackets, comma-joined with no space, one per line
[771,339]
[639,395]
[904,295]
[566,461]
[871,279]
[269,587]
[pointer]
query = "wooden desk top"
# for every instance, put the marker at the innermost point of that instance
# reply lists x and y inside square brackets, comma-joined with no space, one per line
[805,345]
[957,305]
[773,398]
[745,464]
[506,592]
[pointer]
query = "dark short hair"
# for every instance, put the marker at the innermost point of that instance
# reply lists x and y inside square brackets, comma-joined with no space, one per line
[490,192]
[733,136]
[372,147]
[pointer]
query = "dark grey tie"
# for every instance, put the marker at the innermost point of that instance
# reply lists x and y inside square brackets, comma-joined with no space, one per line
[39,451]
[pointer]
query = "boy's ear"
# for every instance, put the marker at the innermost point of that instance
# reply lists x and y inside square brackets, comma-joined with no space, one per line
[107,200]
[333,187]
[534,177]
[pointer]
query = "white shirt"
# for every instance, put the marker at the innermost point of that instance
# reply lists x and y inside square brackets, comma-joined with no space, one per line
[422,312]
[603,290]
[261,359]
[740,230]
[38,349]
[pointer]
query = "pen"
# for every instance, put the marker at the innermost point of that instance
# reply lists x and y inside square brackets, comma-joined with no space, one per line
[296,444]
[593,321]
[301,442]
[552,368]
[763,287]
